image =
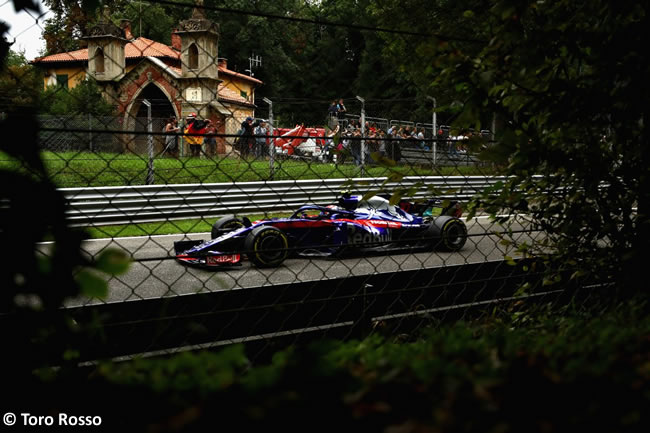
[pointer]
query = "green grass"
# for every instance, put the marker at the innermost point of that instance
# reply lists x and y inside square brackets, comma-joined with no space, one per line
[81,169]
[199,225]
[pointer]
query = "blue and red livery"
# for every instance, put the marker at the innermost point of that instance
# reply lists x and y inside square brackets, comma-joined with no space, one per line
[353,226]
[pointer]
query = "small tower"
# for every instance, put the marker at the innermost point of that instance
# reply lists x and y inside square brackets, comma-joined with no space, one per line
[199,39]
[199,45]
[106,42]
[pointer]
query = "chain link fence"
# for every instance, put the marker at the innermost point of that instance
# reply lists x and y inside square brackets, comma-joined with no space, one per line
[263,224]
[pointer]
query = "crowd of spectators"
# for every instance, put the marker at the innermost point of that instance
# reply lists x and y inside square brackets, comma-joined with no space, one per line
[387,140]
[252,138]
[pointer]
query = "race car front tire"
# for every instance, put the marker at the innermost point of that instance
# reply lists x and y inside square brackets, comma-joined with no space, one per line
[226,224]
[267,247]
[448,233]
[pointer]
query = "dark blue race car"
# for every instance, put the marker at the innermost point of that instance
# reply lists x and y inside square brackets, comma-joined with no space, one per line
[352,226]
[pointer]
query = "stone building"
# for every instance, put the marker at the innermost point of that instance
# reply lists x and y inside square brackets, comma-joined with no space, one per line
[186,77]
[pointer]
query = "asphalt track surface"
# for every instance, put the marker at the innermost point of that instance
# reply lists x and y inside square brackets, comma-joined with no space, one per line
[155,273]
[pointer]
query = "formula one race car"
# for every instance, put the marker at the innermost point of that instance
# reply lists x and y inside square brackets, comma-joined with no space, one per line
[353,226]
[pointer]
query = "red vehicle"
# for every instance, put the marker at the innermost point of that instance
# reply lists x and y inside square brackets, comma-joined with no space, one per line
[300,141]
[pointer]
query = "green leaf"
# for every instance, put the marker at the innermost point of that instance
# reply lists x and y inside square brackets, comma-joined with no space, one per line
[395,177]
[523,290]
[370,194]
[70,354]
[395,197]
[510,261]
[91,285]
[382,160]
[113,261]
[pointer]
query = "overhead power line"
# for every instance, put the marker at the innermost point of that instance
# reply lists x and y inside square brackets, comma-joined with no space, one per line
[317,21]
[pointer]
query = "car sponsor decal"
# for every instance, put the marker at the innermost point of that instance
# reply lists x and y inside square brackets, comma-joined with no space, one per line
[367,234]
[224,258]
[376,223]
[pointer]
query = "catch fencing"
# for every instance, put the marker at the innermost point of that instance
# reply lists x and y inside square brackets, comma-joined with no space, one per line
[131,192]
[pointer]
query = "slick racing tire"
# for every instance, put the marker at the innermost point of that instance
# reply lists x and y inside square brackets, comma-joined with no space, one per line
[267,246]
[449,233]
[226,224]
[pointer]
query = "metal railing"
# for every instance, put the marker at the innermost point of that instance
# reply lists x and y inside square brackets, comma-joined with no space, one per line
[131,204]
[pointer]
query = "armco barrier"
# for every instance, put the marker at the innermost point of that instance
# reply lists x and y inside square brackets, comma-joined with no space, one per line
[337,308]
[136,204]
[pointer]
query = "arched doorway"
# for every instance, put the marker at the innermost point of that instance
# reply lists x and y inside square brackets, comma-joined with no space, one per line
[161,110]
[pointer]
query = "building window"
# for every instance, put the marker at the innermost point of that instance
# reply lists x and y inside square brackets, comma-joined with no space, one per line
[99,61]
[193,57]
[62,80]
[243,94]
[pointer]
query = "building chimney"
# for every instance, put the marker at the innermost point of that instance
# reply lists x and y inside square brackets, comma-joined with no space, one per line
[222,62]
[126,27]
[176,41]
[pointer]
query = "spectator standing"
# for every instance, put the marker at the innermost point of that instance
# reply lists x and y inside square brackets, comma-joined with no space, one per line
[194,133]
[395,150]
[344,147]
[332,114]
[333,109]
[340,109]
[421,137]
[382,143]
[246,139]
[355,146]
[210,139]
[261,131]
[327,151]
[171,140]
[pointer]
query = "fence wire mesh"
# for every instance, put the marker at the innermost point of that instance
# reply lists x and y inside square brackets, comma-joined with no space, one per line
[254,216]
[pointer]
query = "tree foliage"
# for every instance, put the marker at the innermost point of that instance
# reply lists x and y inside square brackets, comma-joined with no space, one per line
[20,83]
[84,98]
[568,82]
[35,280]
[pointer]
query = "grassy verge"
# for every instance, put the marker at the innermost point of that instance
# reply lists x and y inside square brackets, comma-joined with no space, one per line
[80,169]
[199,225]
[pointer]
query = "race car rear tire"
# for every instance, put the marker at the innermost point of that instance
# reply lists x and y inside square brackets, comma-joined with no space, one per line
[449,233]
[267,247]
[226,224]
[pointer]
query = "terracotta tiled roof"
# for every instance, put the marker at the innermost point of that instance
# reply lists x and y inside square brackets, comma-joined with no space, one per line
[70,56]
[137,48]
[143,47]
[238,75]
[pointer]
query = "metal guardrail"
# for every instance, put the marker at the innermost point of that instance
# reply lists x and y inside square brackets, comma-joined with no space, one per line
[266,317]
[150,203]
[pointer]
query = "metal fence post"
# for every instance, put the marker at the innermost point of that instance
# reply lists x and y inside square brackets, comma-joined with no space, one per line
[150,178]
[434,128]
[271,140]
[90,134]
[363,134]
